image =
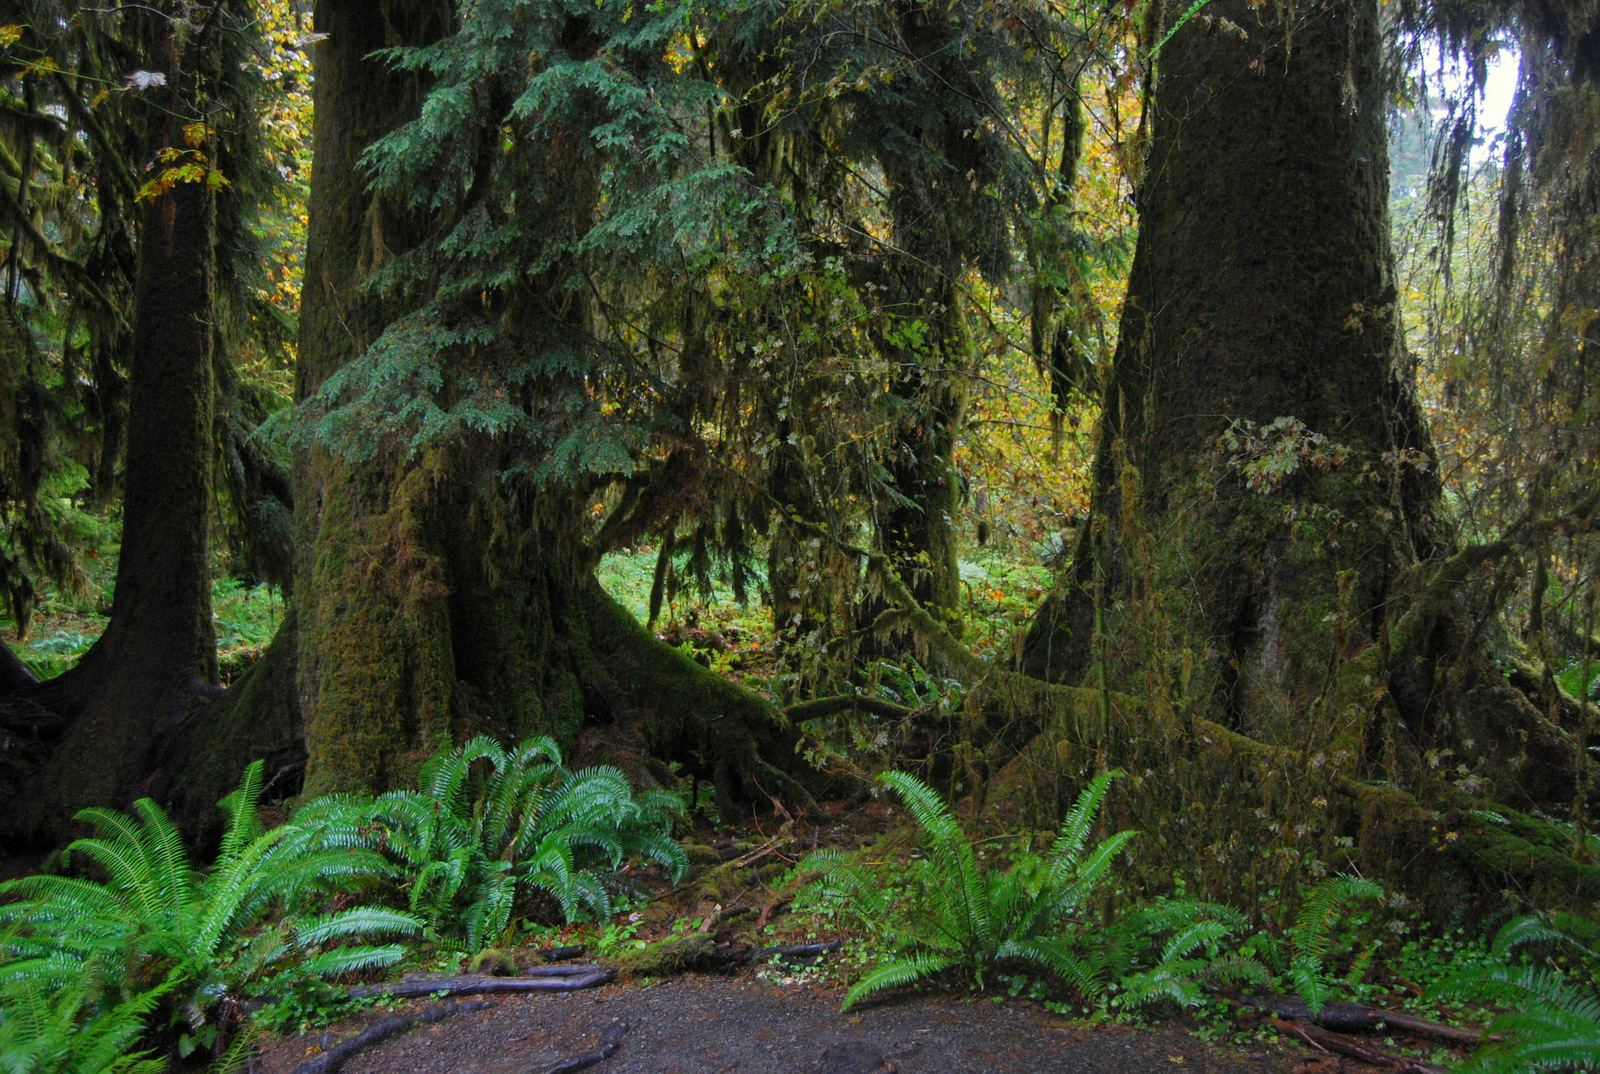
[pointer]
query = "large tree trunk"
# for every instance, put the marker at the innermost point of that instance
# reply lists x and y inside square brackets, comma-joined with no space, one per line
[157,657]
[1261,289]
[1262,570]
[434,597]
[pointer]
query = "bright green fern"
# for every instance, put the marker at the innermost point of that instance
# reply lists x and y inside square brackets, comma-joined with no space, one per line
[1546,974]
[68,1032]
[488,822]
[200,935]
[954,916]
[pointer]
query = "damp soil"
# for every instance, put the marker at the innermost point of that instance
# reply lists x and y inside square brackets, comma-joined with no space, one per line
[749,1025]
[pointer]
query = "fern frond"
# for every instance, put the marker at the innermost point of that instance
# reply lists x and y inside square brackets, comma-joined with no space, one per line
[360,921]
[1074,834]
[895,974]
[244,823]
[341,960]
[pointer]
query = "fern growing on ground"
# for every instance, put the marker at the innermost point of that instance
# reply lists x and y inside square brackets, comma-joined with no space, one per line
[464,846]
[1305,956]
[1169,952]
[67,1032]
[953,916]
[157,925]
[1546,973]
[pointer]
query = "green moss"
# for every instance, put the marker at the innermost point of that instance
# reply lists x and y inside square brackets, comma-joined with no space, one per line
[675,954]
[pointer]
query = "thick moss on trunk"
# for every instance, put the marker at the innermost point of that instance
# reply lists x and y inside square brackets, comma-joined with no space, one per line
[1261,289]
[436,597]
[157,657]
[1265,500]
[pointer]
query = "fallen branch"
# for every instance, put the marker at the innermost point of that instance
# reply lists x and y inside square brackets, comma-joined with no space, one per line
[561,954]
[1338,1044]
[536,979]
[329,1061]
[610,1041]
[1359,1018]
[799,951]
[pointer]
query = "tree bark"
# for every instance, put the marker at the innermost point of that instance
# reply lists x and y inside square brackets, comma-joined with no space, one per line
[157,657]
[1264,569]
[436,598]
[1262,288]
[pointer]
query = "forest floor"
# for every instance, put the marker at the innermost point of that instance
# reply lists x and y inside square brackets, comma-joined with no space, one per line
[752,1025]
[771,1017]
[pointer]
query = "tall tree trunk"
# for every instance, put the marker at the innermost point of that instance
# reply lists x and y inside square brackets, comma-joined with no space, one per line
[434,597]
[1261,290]
[1263,572]
[157,657]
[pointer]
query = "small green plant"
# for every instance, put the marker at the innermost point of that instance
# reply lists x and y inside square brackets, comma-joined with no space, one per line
[1308,957]
[156,924]
[464,846]
[1169,952]
[949,915]
[1546,973]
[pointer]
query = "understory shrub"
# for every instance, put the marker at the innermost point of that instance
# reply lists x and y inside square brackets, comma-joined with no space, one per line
[944,914]
[156,936]
[465,845]
[1307,956]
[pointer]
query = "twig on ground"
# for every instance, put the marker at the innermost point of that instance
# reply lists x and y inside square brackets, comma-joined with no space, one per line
[536,979]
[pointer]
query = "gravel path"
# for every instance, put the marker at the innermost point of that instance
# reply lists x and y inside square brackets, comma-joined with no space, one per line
[700,1025]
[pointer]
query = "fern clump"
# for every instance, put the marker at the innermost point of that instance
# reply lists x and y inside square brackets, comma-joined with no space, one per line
[1169,952]
[1309,952]
[68,1032]
[464,845]
[952,916]
[1545,973]
[158,927]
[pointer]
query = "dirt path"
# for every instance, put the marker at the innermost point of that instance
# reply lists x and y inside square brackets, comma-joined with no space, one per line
[702,1025]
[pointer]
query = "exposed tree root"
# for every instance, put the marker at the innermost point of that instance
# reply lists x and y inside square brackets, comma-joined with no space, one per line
[1359,1018]
[610,1041]
[537,979]
[1339,1044]
[334,1058]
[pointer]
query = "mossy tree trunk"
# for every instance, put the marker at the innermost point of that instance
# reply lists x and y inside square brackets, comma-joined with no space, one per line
[1263,569]
[937,166]
[156,659]
[434,596]
[1261,289]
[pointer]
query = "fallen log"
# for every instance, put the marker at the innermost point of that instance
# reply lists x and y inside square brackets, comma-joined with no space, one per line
[561,954]
[1338,1044]
[799,952]
[610,1041]
[332,1059]
[536,979]
[1360,1018]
